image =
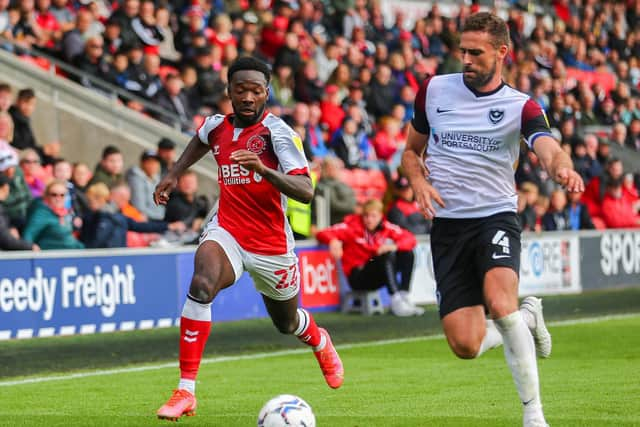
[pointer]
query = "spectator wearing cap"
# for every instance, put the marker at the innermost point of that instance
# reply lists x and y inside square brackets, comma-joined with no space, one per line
[49,222]
[142,180]
[194,28]
[405,211]
[332,112]
[17,202]
[166,150]
[110,169]
[9,238]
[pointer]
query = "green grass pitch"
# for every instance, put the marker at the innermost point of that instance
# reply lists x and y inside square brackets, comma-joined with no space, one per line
[592,379]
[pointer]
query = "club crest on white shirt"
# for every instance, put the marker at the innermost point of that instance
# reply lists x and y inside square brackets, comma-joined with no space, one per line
[496,115]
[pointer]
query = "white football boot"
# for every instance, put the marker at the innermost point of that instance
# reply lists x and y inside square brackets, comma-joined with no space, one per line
[541,335]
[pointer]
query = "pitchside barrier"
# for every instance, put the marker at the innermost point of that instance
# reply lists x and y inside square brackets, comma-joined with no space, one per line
[82,292]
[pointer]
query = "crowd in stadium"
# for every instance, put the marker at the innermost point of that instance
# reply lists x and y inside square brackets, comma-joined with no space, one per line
[344,78]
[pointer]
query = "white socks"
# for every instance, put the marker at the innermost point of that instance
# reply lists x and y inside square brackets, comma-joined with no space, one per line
[492,338]
[189,385]
[303,324]
[195,310]
[520,353]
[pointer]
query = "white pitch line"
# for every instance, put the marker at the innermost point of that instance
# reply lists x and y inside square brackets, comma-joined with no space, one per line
[255,356]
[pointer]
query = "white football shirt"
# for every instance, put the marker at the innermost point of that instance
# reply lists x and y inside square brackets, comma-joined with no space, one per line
[474,143]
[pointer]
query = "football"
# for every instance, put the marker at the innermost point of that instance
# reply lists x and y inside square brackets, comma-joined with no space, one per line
[286,410]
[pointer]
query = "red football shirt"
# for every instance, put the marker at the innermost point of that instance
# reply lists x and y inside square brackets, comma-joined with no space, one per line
[250,207]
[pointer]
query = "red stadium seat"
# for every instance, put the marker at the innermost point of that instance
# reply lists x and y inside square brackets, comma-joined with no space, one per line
[39,62]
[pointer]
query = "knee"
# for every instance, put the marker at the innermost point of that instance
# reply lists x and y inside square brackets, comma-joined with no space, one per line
[202,288]
[465,348]
[499,308]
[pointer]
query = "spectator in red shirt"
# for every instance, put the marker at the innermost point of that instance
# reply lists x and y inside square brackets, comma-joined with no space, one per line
[332,112]
[595,191]
[619,211]
[373,251]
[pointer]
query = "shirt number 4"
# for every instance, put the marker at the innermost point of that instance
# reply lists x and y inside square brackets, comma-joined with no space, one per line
[288,277]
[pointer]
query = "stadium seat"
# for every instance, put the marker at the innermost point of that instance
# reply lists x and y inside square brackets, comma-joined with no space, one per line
[39,62]
[364,302]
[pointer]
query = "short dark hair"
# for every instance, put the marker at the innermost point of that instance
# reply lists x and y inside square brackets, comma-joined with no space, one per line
[4,87]
[491,24]
[25,94]
[109,150]
[249,63]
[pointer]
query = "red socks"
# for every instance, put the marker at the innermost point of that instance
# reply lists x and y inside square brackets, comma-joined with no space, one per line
[195,325]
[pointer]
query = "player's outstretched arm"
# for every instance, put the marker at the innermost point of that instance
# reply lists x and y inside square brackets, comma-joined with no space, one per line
[194,152]
[557,163]
[298,187]
[416,172]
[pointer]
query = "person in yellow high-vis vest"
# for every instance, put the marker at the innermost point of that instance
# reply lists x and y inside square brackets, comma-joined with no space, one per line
[299,214]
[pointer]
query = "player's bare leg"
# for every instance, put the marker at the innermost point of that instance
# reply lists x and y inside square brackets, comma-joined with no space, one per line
[289,319]
[212,273]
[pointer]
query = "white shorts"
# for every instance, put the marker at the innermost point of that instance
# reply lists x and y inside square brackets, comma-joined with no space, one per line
[275,276]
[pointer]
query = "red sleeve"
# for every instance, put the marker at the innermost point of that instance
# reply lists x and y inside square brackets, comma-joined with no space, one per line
[404,239]
[337,231]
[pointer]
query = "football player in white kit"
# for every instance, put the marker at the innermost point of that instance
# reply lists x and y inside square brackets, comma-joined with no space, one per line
[460,158]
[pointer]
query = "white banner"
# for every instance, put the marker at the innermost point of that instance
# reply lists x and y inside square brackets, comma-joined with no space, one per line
[550,265]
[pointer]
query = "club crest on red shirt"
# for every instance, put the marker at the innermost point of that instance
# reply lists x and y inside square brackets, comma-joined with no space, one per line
[256,144]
